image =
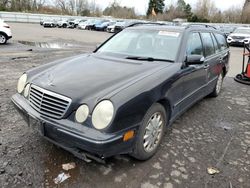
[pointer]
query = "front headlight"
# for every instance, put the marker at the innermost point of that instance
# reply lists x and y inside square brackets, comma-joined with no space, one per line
[102,114]
[82,113]
[21,83]
[247,40]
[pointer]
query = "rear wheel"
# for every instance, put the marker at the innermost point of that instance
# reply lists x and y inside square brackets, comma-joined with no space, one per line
[150,132]
[3,38]
[218,86]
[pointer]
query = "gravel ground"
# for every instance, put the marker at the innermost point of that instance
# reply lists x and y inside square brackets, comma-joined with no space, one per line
[213,133]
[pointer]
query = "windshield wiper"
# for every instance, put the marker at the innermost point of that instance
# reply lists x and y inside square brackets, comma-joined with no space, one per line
[147,59]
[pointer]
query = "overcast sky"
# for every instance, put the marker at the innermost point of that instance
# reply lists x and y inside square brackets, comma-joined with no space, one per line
[141,5]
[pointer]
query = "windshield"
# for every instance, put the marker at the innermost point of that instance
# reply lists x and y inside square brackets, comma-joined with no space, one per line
[144,43]
[243,31]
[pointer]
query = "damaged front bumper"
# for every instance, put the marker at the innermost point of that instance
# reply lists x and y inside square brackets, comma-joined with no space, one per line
[86,143]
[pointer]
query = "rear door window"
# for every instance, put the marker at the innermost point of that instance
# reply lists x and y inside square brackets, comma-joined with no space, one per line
[194,45]
[208,44]
[222,41]
[216,45]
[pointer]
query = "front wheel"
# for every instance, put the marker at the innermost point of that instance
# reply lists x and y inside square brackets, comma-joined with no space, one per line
[3,38]
[218,86]
[150,132]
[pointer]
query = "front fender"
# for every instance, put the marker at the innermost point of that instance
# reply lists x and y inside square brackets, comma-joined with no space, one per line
[132,103]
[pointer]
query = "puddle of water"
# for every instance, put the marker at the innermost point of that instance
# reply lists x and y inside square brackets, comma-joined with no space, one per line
[54,45]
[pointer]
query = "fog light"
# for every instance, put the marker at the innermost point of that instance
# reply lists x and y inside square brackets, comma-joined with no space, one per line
[128,135]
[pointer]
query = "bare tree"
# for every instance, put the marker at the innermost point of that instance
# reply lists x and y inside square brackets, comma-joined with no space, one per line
[246,12]
[62,4]
[205,8]
[232,15]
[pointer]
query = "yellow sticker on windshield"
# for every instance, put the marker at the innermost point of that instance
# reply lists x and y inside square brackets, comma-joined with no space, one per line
[169,33]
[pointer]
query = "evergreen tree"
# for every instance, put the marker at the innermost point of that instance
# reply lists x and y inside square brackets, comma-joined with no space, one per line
[188,11]
[181,5]
[157,5]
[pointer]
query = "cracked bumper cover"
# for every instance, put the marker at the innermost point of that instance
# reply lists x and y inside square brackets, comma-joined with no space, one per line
[61,132]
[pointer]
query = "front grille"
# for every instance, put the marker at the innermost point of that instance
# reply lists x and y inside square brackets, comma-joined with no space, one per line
[48,103]
[238,37]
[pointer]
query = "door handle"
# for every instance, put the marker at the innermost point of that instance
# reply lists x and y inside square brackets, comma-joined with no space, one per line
[206,66]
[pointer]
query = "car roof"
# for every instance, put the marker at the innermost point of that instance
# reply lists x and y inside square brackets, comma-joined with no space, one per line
[157,27]
[191,27]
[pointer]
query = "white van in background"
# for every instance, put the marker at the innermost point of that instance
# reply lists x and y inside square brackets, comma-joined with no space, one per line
[5,32]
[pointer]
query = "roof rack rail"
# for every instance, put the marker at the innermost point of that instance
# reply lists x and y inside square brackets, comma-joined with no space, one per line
[205,25]
[145,23]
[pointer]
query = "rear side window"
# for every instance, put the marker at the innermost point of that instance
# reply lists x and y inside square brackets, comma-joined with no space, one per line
[194,45]
[208,44]
[221,40]
[216,46]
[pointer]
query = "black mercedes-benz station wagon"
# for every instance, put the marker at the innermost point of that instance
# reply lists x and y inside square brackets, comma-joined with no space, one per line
[120,98]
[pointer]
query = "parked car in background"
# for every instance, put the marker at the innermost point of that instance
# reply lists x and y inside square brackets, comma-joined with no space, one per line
[104,25]
[74,23]
[62,23]
[5,32]
[49,23]
[121,98]
[119,26]
[99,23]
[89,24]
[111,28]
[239,36]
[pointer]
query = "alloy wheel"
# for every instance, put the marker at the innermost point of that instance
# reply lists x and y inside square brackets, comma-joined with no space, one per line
[2,39]
[219,83]
[153,132]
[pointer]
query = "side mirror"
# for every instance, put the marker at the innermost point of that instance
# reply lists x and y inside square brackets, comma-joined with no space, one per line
[195,59]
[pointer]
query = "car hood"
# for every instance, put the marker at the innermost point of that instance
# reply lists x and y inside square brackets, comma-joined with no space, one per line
[94,76]
[239,35]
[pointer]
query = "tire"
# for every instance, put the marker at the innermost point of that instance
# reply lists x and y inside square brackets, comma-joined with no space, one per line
[3,38]
[151,131]
[64,26]
[218,86]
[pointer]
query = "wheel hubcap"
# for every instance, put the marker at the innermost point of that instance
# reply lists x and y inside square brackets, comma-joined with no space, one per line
[2,39]
[153,132]
[219,83]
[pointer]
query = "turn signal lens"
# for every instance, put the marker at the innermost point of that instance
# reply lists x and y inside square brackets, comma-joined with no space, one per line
[128,135]
[26,90]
